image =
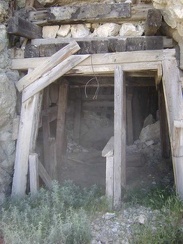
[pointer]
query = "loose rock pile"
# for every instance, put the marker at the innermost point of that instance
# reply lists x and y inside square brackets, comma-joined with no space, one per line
[172,12]
[93,30]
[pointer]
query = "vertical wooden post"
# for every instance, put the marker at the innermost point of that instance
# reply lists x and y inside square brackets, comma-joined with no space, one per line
[119,135]
[33,173]
[165,141]
[28,128]
[49,142]
[77,118]
[174,107]
[46,131]
[129,118]
[109,177]
[60,130]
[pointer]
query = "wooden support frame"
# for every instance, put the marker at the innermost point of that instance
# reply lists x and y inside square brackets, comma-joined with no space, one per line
[29,123]
[106,62]
[116,66]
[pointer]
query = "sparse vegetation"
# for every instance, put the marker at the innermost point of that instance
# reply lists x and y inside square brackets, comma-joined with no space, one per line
[63,215]
[168,225]
[56,216]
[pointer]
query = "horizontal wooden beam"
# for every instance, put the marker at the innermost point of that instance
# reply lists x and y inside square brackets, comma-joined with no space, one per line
[47,47]
[20,27]
[103,59]
[108,69]
[81,13]
[167,42]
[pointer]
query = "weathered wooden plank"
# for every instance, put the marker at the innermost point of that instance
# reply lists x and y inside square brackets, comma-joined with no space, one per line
[177,149]
[119,136]
[110,179]
[20,27]
[80,13]
[33,173]
[141,69]
[47,65]
[174,107]
[144,43]
[112,41]
[47,47]
[177,140]
[60,129]
[101,59]
[52,75]
[165,141]
[26,142]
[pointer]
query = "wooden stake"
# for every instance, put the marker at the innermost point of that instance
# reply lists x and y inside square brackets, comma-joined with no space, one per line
[110,179]
[33,173]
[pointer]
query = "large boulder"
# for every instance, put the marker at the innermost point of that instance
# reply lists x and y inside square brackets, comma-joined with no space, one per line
[150,132]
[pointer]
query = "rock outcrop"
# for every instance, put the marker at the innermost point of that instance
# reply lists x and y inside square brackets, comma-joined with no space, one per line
[7,108]
[172,12]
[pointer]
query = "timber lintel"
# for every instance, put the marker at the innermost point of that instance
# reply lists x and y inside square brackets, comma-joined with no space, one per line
[81,13]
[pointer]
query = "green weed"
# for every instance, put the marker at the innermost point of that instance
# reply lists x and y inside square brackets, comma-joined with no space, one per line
[168,227]
[56,216]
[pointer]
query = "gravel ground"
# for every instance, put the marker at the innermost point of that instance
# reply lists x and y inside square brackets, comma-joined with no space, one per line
[118,228]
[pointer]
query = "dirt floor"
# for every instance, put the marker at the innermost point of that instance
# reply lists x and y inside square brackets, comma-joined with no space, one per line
[144,168]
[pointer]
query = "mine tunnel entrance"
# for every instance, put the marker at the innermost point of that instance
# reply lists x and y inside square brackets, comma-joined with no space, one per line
[90,125]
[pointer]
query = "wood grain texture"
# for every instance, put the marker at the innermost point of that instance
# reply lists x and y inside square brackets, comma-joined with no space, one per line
[81,13]
[47,65]
[20,27]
